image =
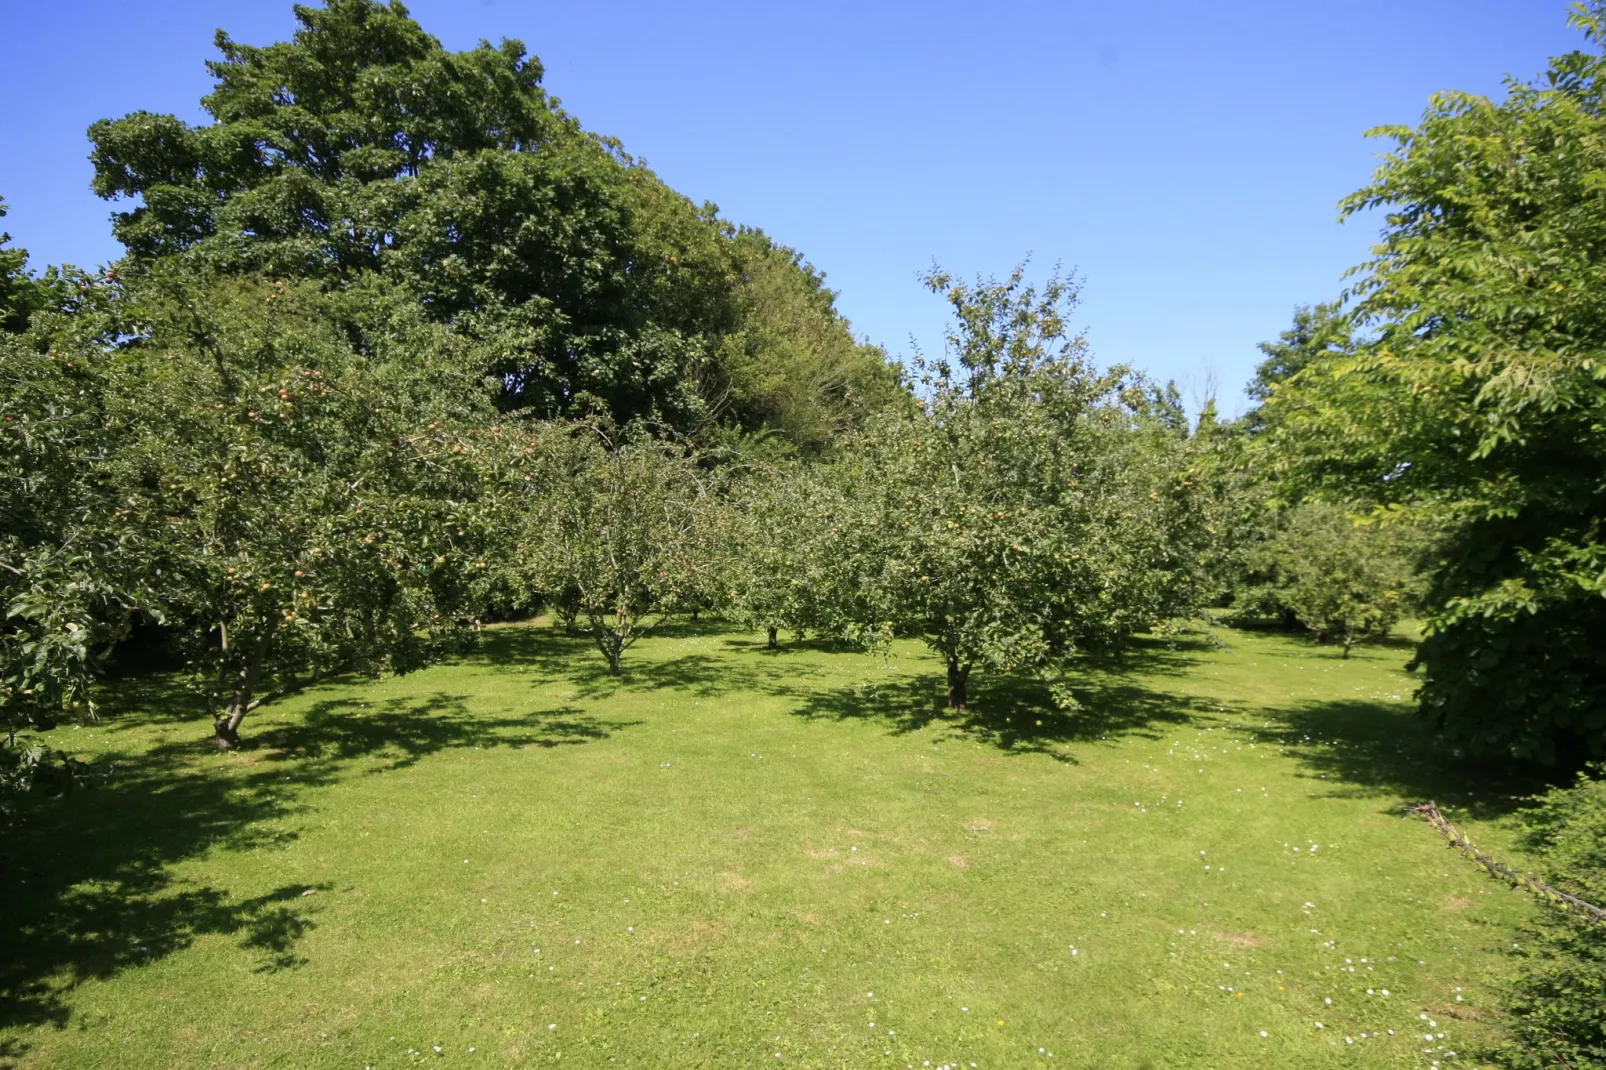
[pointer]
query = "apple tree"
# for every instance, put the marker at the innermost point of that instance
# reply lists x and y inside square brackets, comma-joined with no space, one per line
[1033,506]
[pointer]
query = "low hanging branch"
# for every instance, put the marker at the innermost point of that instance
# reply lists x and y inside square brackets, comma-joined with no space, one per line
[1429,812]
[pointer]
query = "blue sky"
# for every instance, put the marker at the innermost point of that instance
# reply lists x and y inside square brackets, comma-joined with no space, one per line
[1186,158]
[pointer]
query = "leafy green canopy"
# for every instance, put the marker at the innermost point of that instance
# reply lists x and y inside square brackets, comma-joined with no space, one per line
[612,524]
[60,608]
[1558,1003]
[1031,507]
[308,505]
[1480,400]
[776,536]
[1341,578]
[287,500]
[362,147]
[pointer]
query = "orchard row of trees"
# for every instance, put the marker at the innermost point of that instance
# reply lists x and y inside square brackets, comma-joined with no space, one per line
[264,426]
[287,496]
[397,345]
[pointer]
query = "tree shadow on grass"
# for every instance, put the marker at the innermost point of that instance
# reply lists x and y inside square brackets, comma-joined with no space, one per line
[1362,749]
[526,645]
[700,675]
[1018,715]
[400,732]
[87,887]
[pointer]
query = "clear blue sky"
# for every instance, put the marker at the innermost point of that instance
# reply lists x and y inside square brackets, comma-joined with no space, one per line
[1185,157]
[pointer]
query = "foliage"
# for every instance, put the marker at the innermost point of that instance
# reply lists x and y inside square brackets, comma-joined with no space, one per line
[790,364]
[19,291]
[362,148]
[1479,398]
[58,622]
[301,505]
[1343,577]
[1557,1005]
[614,523]
[60,606]
[1319,332]
[61,617]
[29,767]
[780,553]
[1031,507]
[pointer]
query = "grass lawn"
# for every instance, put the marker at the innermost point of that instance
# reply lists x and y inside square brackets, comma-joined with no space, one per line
[734,857]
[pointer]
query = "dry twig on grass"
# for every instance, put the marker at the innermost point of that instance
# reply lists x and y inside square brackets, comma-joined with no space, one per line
[1429,812]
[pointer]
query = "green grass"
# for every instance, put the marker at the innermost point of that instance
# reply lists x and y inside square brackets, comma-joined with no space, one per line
[719,858]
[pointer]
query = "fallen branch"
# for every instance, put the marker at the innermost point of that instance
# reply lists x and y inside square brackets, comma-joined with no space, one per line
[1429,812]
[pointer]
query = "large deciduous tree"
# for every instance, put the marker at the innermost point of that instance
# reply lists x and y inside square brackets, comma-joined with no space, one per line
[1479,399]
[361,147]
[789,362]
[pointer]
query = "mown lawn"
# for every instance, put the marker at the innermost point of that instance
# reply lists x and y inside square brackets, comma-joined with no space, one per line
[734,857]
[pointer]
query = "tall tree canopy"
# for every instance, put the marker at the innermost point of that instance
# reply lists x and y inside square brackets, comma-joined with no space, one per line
[363,147]
[1479,397]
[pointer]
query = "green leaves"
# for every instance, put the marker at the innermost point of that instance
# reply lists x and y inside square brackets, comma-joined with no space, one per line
[1035,508]
[613,523]
[20,292]
[1558,1003]
[1475,399]
[363,150]
[291,503]
[1342,577]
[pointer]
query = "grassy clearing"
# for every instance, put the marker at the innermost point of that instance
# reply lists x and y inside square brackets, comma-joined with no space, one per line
[734,857]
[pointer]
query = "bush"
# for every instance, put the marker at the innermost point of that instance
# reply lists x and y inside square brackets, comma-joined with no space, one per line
[1558,1002]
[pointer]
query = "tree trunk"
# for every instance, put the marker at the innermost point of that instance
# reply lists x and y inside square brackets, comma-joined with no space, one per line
[613,648]
[775,641]
[694,613]
[958,679]
[1349,641]
[226,729]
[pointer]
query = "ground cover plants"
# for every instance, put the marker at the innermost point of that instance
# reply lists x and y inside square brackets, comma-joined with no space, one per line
[733,856]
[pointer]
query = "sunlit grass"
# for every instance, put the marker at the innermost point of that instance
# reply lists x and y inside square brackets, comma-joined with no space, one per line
[734,857]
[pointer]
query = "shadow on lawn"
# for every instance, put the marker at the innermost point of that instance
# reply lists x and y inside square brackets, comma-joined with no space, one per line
[550,653]
[87,890]
[1018,715]
[86,882]
[1373,749]
[401,732]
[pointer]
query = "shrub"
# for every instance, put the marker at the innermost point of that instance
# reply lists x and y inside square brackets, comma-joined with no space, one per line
[1558,1002]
